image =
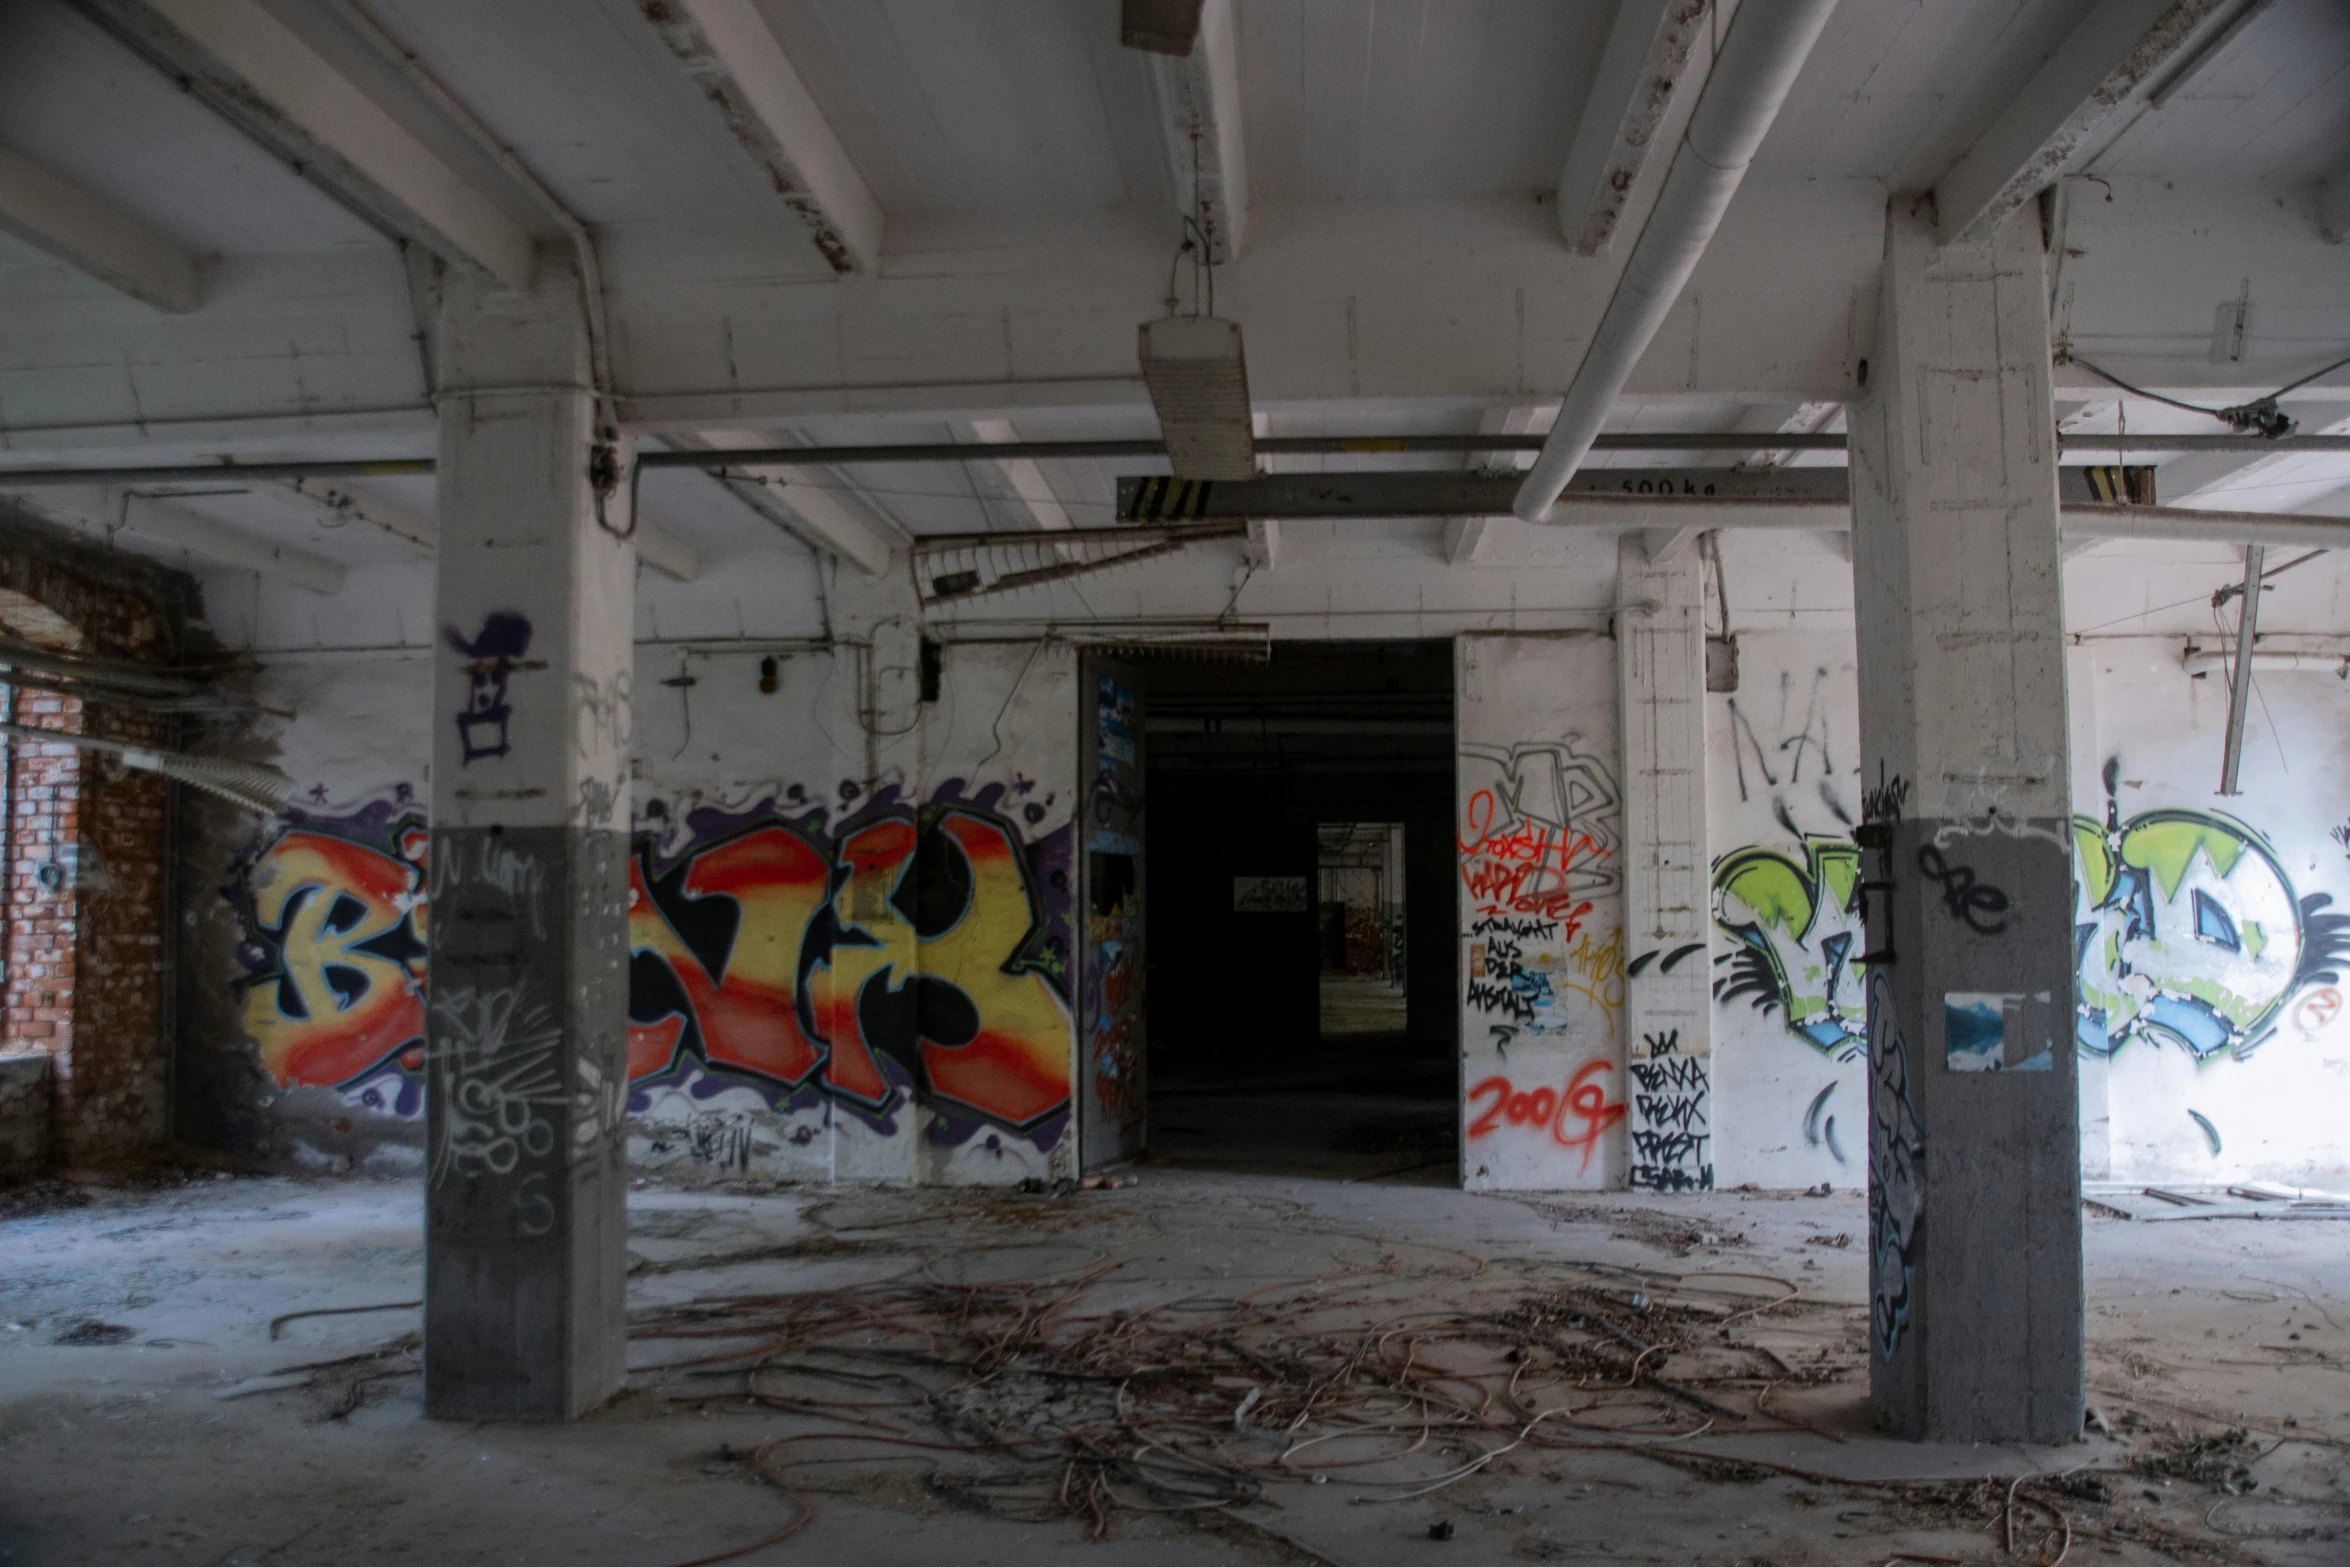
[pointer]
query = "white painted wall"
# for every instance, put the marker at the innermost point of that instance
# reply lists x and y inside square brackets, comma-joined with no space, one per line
[1538,841]
[1536,670]
[1782,774]
[719,757]
[2269,1089]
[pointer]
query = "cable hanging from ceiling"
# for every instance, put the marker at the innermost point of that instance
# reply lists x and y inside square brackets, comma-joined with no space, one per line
[2261,416]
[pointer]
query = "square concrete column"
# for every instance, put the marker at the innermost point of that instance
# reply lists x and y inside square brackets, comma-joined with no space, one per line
[1668,973]
[525,1214]
[1974,1150]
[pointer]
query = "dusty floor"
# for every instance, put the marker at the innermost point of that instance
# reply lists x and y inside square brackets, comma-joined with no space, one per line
[925,1390]
[1355,1004]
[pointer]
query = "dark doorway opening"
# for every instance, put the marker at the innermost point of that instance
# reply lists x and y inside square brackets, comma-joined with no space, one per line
[1302,915]
[1360,907]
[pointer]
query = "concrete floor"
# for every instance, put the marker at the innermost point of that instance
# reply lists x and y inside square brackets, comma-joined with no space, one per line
[1361,1004]
[129,1451]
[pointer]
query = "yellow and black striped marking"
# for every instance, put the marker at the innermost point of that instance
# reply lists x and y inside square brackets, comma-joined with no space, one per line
[1163,499]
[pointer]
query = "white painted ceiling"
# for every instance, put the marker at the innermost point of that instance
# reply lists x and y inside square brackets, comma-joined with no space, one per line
[73,98]
[1018,110]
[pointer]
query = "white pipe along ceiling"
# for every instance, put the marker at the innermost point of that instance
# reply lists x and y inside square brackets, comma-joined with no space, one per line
[1760,57]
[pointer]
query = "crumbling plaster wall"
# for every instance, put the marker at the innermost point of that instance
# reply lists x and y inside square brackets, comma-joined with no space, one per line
[86,883]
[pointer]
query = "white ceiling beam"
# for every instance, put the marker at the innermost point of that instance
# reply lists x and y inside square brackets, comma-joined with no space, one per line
[656,547]
[1019,480]
[732,54]
[84,230]
[1662,546]
[815,505]
[1809,418]
[2333,206]
[1465,538]
[1264,544]
[2120,51]
[254,70]
[1199,115]
[344,505]
[2223,478]
[666,553]
[160,521]
[1647,57]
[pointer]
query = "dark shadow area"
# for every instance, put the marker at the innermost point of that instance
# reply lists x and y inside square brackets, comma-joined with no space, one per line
[1249,767]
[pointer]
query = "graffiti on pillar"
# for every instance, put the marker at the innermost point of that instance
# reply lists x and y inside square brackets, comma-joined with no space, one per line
[1897,1157]
[482,722]
[1537,841]
[2187,932]
[1573,1117]
[1671,1118]
[1538,832]
[1798,939]
[333,914]
[901,953]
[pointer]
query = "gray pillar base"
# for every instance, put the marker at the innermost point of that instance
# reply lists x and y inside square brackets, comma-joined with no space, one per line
[526,1200]
[1974,1155]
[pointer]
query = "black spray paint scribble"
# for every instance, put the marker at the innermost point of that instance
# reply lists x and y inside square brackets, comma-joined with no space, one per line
[1671,1125]
[1897,1162]
[1671,961]
[1979,905]
[1819,1130]
[1887,800]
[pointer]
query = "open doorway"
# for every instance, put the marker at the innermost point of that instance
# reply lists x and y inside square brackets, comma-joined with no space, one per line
[1359,890]
[1302,913]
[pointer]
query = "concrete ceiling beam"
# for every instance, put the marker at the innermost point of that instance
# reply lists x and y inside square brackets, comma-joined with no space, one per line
[84,230]
[2122,51]
[656,547]
[1263,545]
[239,59]
[734,57]
[1640,73]
[1199,116]
[161,521]
[1017,481]
[816,506]
[2333,206]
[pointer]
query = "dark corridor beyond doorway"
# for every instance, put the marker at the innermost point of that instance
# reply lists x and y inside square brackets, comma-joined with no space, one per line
[1246,765]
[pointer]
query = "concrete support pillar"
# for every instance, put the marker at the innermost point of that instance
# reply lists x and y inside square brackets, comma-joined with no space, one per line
[525,1216]
[1668,1001]
[1974,1149]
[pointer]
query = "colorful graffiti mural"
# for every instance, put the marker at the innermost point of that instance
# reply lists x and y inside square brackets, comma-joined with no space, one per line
[333,909]
[906,953]
[1537,830]
[1537,842]
[1798,939]
[2187,931]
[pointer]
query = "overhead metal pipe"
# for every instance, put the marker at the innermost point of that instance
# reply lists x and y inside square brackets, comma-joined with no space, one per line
[717,460]
[2231,758]
[1764,49]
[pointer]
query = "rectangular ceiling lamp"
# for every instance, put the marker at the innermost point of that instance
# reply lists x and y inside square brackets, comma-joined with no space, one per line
[1199,385]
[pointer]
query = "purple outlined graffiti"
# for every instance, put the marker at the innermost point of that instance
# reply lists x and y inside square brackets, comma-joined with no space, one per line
[482,723]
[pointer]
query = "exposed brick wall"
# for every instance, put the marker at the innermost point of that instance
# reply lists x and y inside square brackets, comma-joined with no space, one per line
[85,882]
